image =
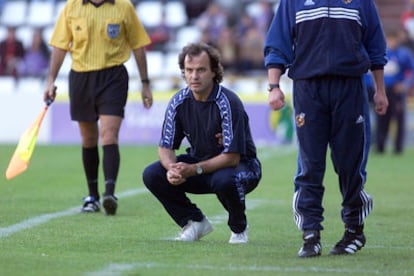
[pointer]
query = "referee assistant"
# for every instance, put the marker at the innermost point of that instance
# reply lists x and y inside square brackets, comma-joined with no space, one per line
[99,35]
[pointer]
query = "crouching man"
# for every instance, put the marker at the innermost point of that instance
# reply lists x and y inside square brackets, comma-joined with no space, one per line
[221,158]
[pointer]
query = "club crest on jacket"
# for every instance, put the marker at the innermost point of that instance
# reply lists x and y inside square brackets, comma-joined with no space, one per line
[300,119]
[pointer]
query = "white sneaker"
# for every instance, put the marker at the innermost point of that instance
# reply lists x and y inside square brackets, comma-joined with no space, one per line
[239,237]
[195,230]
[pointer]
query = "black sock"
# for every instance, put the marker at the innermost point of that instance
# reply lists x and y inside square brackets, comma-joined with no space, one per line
[111,160]
[90,158]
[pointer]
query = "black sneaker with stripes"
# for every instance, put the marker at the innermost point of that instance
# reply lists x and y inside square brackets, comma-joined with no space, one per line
[352,241]
[311,244]
[90,205]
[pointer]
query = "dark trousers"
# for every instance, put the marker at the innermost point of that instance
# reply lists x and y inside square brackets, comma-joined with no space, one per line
[229,184]
[331,111]
[396,110]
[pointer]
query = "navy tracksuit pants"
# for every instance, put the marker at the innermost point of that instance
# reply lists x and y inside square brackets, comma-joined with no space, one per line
[331,111]
[229,184]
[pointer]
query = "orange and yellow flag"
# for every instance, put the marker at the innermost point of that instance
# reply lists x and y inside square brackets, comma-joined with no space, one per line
[21,157]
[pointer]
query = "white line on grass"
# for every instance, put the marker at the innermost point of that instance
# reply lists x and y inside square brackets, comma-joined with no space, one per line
[34,221]
[119,269]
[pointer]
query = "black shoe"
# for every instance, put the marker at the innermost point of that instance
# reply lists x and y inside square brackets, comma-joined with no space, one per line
[351,242]
[110,204]
[312,244]
[90,205]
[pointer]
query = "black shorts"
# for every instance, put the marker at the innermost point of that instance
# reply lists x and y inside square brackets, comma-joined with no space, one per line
[96,93]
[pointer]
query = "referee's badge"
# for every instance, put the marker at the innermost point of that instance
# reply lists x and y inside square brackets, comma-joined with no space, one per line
[113,30]
[300,119]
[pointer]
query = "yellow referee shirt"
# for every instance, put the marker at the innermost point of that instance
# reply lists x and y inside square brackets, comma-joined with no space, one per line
[98,37]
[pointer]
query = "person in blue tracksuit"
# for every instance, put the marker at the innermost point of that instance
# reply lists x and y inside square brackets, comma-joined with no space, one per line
[327,46]
[398,79]
[221,158]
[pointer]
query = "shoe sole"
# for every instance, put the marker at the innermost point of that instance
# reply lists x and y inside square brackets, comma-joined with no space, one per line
[344,251]
[316,252]
[238,242]
[87,210]
[310,255]
[110,205]
[90,209]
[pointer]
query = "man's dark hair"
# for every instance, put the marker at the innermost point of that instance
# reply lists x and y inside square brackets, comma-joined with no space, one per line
[195,49]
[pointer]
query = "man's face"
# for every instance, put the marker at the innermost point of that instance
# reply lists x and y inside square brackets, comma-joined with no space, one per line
[198,74]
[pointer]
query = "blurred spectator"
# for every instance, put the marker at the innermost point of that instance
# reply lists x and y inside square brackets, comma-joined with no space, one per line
[265,15]
[245,23]
[226,44]
[205,37]
[36,59]
[398,78]
[213,20]
[11,53]
[409,43]
[2,2]
[194,8]
[250,54]
[405,39]
[408,12]
[160,36]
[251,31]
[407,19]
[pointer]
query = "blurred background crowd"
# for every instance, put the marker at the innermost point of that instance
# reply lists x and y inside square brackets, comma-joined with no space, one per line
[236,27]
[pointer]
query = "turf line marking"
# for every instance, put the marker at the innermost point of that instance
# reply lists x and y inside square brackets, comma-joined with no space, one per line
[119,269]
[38,220]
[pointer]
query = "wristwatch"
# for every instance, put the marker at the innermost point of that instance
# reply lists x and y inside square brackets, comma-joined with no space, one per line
[199,169]
[272,86]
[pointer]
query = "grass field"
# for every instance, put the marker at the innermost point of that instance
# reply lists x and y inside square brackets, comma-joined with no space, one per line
[43,233]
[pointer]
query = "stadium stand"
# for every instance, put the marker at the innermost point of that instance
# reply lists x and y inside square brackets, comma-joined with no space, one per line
[164,71]
[14,13]
[40,13]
